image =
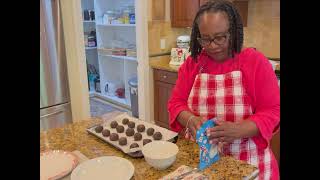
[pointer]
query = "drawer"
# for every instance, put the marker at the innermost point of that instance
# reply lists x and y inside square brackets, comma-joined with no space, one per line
[165,76]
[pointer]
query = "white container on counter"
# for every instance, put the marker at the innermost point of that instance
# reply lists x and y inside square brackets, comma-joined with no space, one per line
[160,154]
[183,41]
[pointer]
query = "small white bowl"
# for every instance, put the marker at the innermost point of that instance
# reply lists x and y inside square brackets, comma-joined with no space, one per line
[160,154]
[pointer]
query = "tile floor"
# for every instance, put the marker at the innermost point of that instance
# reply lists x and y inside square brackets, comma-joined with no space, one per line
[98,108]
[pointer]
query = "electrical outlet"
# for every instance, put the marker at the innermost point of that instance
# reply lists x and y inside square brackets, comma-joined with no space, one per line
[162,43]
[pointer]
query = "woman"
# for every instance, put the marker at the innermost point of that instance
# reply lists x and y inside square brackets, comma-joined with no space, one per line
[236,85]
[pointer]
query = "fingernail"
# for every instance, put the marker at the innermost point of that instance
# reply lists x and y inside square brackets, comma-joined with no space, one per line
[211,142]
[208,134]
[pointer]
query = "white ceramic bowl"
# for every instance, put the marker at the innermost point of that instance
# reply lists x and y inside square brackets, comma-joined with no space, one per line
[160,154]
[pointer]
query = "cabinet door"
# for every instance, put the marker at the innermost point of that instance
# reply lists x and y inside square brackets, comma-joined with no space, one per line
[161,97]
[183,12]
[158,10]
[241,5]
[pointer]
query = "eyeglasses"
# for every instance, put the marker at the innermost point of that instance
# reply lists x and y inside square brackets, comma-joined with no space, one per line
[218,40]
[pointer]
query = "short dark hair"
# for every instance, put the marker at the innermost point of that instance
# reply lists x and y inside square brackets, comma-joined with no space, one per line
[235,26]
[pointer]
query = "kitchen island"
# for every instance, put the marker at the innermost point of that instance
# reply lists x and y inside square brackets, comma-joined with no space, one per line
[75,137]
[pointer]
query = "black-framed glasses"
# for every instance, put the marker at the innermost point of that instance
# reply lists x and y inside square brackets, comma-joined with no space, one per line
[218,40]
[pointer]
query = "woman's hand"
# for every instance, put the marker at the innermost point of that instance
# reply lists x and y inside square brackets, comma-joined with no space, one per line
[193,125]
[226,132]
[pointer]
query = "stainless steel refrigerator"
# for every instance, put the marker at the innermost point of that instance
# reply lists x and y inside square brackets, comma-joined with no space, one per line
[55,109]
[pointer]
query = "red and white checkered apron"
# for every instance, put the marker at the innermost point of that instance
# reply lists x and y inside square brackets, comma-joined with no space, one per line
[223,96]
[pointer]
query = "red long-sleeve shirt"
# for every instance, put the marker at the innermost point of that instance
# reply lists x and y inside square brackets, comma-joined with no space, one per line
[260,83]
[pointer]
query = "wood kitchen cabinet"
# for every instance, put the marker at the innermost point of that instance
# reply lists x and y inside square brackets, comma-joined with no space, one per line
[164,82]
[184,11]
[275,146]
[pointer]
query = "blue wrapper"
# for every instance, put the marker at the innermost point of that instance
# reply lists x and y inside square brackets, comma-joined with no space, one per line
[208,152]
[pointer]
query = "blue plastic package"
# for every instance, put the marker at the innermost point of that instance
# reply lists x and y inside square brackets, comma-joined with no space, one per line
[208,152]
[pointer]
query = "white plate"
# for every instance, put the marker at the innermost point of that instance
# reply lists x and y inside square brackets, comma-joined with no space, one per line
[102,168]
[56,164]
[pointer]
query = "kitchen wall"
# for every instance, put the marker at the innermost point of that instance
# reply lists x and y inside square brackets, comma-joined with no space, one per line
[262,32]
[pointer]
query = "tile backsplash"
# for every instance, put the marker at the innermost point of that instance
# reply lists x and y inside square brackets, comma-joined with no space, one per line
[262,31]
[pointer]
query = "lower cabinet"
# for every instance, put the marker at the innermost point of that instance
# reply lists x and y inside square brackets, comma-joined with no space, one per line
[164,82]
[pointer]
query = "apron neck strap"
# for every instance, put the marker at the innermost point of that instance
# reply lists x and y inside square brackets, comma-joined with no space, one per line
[203,64]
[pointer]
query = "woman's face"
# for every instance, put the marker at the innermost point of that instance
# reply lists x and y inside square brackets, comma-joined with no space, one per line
[214,34]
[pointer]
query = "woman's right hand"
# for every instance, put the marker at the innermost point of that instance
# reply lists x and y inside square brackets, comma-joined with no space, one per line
[193,125]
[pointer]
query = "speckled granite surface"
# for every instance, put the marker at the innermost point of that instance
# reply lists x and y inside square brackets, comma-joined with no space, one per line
[74,137]
[162,63]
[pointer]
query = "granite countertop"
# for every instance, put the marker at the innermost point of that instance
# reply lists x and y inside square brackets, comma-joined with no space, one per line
[162,63]
[74,137]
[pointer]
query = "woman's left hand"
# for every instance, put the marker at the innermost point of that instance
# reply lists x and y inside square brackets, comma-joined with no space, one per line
[225,132]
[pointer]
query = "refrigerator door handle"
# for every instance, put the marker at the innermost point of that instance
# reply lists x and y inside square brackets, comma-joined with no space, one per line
[50,114]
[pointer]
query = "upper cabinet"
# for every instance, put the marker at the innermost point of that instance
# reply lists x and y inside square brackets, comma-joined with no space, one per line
[184,11]
[242,6]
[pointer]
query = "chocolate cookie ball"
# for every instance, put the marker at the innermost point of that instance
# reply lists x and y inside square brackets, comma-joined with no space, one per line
[141,128]
[114,124]
[125,121]
[130,132]
[123,141]
[134,145]
[114,137]
[150,131]
[137,136]
[146,141]
[98,129]
[120,129]
[106,133]
[131,124]
[157,136]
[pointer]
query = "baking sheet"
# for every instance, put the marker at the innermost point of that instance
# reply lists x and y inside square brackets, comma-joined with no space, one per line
[167,135]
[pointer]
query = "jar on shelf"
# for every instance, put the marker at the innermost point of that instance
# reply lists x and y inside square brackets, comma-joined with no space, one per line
[108,17]
[125,16]
[91,41]
[118,17]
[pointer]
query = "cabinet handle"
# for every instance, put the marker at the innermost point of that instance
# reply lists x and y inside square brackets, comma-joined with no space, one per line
[164,77]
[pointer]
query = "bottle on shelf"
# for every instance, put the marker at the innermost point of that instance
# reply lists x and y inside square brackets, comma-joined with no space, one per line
[92,75]
[92,15]
[132,18]
[86,15]
[125,15]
